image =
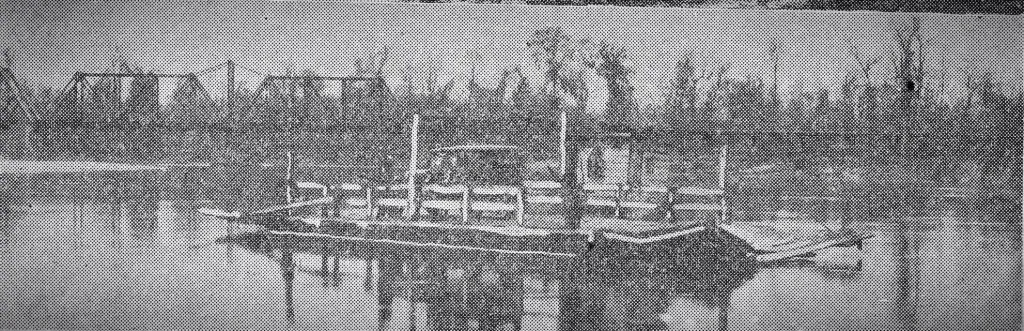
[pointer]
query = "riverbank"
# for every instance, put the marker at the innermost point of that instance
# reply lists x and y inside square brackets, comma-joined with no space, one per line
[764,175]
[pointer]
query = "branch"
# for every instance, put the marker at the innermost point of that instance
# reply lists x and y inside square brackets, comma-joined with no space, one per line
[383,60]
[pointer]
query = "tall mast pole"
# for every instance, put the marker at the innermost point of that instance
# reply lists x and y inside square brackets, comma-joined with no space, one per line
[413,157]
[562,136]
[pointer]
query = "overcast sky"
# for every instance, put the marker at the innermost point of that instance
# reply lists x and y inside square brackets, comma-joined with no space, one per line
[50,41]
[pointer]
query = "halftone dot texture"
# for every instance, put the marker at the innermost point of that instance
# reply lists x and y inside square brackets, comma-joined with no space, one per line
[121,119]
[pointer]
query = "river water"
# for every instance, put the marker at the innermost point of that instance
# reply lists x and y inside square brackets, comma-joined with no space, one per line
[128,251]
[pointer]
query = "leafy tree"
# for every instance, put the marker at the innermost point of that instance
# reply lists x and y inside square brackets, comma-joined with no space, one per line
[609,63]
[554,51]
[142,104]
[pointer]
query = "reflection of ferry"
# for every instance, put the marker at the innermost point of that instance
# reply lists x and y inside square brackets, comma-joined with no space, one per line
[447,289]
[476,196]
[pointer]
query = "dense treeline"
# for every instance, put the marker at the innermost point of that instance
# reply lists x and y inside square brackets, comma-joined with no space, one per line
[909,115]
[697,98]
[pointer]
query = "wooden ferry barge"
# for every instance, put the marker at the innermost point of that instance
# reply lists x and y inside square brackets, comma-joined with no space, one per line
[473,197]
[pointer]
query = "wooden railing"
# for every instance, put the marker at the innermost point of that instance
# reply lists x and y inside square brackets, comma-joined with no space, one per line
[463,200]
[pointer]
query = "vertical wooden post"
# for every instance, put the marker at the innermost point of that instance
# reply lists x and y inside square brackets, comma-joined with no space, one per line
[328,210]
[521,207]
[721,182]
[466,203]
[723,312]
[324,272]
[335,274]
[572,191]
[670,198]
[119,110]
[375,210]
[288,176]
[618,200]
[369,201]
[410,207]
[288,273]
[562,137]
[368,278]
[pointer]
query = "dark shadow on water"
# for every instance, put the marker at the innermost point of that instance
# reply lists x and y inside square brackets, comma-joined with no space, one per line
[462,290]
[847,270]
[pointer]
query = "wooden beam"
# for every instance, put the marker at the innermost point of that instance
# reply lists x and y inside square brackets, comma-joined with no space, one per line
[410,208]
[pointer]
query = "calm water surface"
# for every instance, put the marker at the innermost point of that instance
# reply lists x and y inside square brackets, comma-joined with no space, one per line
[84,252]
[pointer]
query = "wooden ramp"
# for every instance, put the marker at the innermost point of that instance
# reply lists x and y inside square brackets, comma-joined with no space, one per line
[767,238]
[805,248]
[771,244]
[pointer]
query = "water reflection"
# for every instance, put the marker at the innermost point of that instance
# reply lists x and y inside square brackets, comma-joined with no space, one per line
[9,211]
[945,271]
[129,202]
[843,268]
[432,289]
[908,274]
[288,273]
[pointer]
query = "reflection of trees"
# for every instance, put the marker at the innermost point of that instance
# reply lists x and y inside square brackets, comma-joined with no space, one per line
[132,201]
[627,294]
[288,273]
[458,293]
[479,290]
[140,200]
[908,273]
[9,211]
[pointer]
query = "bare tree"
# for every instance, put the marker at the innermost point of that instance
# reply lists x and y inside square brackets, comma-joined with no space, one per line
[373,65]
[774,51]
[714,96]
[865,94]
[908,58]
[552,49]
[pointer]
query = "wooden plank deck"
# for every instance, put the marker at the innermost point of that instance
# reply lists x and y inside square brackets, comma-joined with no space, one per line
[418,244]
[534,225]
[768,240]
